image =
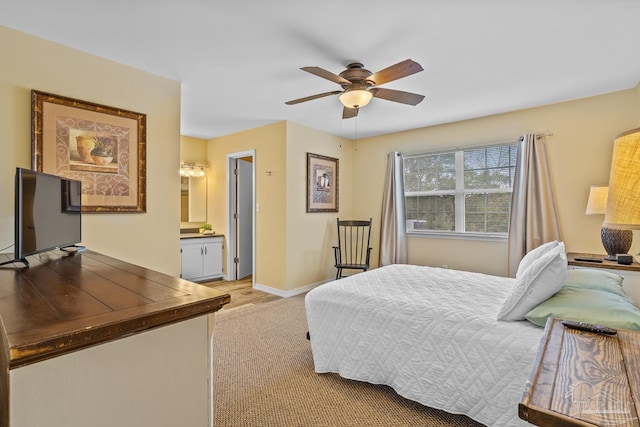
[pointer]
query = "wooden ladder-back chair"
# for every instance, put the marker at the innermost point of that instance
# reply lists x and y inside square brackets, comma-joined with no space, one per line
[353,251]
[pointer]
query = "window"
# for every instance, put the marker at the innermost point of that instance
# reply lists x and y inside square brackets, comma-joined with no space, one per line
[465,191]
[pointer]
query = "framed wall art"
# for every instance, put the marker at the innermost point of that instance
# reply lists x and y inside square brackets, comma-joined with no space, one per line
[322,183]
[104,147]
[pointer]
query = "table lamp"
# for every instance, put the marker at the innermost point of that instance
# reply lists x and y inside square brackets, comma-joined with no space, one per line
[615,241]
[623,200]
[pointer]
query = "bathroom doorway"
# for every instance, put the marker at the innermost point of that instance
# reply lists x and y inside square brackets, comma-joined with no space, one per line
[241,205]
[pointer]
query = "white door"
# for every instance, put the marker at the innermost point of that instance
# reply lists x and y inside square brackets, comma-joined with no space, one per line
[244,218]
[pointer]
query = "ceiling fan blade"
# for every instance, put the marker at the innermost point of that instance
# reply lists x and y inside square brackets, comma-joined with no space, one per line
[348,113]
[397,96]
[395,72]
[321,72]
[312,97]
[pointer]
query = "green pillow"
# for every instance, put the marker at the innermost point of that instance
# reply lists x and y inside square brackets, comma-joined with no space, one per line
[590,296]
[592,278]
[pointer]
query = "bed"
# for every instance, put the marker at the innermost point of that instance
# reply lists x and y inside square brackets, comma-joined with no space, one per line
[433,335]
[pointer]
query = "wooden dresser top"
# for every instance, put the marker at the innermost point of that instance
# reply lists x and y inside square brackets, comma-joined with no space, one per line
[66,303]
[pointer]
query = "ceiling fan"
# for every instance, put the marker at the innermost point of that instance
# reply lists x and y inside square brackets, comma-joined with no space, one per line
[360,85]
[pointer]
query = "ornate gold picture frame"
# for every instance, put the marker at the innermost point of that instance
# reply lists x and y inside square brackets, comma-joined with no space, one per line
[322,183]
[104,147]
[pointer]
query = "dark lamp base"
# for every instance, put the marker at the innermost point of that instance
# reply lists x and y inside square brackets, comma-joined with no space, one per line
[616,241]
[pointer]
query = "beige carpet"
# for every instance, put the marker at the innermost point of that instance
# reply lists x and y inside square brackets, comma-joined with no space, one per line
[263,373]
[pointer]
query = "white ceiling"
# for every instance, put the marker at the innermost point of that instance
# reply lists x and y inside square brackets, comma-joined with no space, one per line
[239,60]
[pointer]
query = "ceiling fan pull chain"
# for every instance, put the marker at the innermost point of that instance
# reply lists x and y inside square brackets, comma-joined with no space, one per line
[356,128]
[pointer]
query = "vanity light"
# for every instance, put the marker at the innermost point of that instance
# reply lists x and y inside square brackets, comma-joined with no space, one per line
[193,169]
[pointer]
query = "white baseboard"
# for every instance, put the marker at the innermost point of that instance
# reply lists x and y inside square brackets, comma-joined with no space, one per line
[290,292]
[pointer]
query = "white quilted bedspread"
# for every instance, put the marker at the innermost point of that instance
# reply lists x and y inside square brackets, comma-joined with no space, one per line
[429,333]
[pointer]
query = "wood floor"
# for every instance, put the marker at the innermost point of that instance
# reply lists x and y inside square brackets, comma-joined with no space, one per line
[241,292]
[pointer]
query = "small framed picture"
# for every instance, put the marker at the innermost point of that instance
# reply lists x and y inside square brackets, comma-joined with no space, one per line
[322,183]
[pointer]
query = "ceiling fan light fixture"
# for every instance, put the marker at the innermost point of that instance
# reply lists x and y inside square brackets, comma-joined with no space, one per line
[355,98]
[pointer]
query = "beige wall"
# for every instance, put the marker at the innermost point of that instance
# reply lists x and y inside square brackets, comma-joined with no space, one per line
[150,239]
[193,150]
[269,145]
[310,236]
[579,152]
[292,246]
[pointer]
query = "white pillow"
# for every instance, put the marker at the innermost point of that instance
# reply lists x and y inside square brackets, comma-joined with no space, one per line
[544,277]
[535,254]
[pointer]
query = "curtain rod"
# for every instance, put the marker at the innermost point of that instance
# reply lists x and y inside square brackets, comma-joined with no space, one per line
[478,145]
[539,135]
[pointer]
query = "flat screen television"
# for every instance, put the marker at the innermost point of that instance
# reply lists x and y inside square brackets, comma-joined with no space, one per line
[47,213]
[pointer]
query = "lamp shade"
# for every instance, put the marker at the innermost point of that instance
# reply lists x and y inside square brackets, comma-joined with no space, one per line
[597,203]
[356,98]
[623,201]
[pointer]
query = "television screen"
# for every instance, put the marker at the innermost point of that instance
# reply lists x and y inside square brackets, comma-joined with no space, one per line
[47,212]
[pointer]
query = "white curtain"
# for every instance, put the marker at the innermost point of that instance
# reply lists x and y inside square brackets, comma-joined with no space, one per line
[393,226]
[534,218]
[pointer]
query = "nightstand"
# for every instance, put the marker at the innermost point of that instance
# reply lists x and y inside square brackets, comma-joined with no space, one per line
[630,273]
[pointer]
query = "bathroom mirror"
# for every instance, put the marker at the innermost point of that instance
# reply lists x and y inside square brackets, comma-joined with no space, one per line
[193,199]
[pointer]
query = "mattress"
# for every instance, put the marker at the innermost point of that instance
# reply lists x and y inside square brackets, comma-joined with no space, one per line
[429,333]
